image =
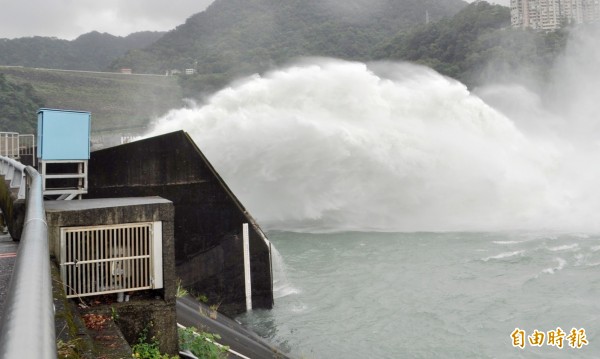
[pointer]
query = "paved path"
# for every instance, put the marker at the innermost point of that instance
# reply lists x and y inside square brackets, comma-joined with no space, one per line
[8,252]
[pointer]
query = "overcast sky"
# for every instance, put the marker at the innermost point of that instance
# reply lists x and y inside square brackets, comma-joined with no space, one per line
[67,19]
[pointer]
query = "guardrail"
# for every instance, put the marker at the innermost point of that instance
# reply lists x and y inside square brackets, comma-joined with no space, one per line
[14,172]
[9,144]
[27,148]
[27,329]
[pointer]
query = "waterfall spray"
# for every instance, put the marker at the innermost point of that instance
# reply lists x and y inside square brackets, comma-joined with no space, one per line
[330,145]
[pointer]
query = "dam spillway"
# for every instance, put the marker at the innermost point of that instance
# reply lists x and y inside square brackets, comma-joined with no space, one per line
[208,217]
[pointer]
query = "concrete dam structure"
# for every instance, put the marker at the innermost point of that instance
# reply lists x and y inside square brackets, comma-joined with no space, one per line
[208,220]
[122,230]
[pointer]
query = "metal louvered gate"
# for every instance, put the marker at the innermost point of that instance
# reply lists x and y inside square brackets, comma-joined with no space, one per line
[111,258]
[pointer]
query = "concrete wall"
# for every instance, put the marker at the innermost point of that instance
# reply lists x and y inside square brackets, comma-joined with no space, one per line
[208,216]
[154,309]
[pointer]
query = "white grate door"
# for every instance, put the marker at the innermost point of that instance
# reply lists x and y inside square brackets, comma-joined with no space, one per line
[111,258]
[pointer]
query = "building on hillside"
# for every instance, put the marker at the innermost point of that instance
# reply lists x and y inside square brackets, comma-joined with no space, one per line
[549,15]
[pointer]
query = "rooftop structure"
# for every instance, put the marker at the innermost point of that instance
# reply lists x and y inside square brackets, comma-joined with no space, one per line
[549,15]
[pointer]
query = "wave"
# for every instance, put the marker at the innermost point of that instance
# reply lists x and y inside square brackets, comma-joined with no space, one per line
[504,255]
[561,265]
[566,247]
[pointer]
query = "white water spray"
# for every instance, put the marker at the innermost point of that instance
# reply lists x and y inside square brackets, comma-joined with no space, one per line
[330,145]
[282,286]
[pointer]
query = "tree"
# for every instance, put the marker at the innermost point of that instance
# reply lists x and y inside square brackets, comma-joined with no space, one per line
[18,106]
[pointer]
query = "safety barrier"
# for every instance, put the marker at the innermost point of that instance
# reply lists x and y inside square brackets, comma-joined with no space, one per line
[14,172]
[27,329]
[9,144]
[27,149]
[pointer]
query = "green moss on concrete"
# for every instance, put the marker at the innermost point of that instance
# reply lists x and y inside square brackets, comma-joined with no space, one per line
[74,339]
[70,330]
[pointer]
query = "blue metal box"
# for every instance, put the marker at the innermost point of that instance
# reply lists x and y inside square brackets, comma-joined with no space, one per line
[63,135]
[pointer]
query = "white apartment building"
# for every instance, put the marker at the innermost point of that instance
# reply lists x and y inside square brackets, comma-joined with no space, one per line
[548,15]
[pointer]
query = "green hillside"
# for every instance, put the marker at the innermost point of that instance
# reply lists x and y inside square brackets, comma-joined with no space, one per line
[478,46]
[119,103]
[473,43]
[92,51]
[17,104]
[232,38]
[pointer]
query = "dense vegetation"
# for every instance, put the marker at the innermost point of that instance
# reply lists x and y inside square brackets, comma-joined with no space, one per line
[477,46]
[18,106]
[232,38]
[472,43]
[92,51]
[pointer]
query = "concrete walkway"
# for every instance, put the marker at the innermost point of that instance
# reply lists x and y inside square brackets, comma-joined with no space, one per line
[8,253]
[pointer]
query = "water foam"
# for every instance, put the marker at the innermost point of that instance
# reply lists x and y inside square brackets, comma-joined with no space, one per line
[506,242]
[567,247]
[561,265]
[334,145]
[504,255]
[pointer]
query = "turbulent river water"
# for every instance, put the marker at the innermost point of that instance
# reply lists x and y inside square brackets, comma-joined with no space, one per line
[431,295]
[447,218]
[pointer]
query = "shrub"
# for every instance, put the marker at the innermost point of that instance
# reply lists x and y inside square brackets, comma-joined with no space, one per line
[201,344]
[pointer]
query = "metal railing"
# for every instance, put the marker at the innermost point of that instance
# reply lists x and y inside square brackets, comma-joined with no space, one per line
[27,147]
[14,172]
[27,329]
[9,144]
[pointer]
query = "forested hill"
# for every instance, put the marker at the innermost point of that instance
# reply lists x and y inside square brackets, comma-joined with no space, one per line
[235,37]
[232,38]
[477,46]
[18,105]
[92,51]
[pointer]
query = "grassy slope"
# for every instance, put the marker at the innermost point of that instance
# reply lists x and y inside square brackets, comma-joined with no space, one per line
[123,104]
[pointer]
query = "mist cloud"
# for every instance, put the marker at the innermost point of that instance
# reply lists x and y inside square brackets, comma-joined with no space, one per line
[564,103]
[575,82]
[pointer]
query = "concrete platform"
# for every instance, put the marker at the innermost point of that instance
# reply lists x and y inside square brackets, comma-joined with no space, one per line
[107,211]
